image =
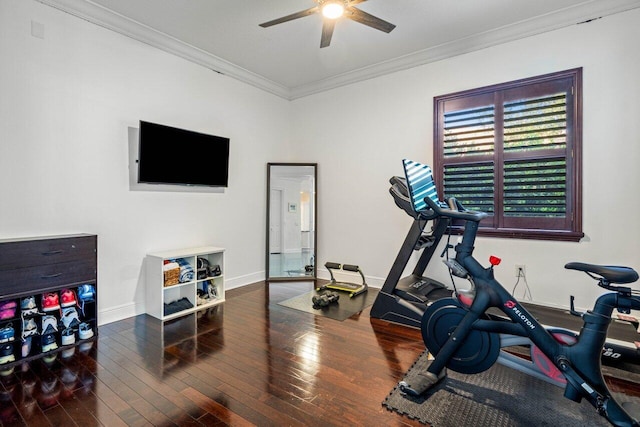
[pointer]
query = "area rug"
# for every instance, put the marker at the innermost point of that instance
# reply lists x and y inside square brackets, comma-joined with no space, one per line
[343,309]
[499,396]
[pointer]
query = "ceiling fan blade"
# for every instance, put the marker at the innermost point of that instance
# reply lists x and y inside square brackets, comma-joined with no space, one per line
[369,20]
[291,17]
[327,31]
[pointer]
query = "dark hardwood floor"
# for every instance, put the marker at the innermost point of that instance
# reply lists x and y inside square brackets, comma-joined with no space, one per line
[247,362]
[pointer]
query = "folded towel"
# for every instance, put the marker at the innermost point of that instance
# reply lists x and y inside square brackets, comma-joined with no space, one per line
[170,266]
[186,271]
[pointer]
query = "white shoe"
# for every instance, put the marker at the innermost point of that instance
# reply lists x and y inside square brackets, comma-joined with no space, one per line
[68,337]
[85,331]
[49,325]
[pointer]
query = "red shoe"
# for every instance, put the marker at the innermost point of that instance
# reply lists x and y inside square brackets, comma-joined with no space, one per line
[68,298]
[50,302]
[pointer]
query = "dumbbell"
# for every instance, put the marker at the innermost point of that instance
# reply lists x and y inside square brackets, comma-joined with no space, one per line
[325,299]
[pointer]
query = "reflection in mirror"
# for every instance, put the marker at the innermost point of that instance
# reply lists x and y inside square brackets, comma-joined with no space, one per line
[291,221]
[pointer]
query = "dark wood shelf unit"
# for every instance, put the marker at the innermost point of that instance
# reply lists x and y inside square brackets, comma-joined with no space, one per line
[48,264]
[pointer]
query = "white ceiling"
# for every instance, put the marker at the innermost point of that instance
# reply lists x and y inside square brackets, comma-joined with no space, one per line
[286,59]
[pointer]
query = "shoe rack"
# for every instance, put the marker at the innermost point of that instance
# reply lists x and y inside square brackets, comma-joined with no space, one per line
[48,295]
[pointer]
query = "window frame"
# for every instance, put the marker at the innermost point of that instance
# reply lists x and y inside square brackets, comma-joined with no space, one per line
[499,225]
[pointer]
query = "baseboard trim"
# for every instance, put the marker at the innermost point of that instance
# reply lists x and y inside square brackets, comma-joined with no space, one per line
[247,279]
[124,311]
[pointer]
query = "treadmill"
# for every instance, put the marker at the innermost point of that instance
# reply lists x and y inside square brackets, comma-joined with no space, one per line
[403,300]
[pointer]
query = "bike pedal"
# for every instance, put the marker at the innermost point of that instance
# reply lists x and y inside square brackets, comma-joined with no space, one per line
[420,383]
[407,390]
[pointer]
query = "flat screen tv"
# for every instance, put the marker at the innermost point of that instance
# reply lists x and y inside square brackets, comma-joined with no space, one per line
[168,155]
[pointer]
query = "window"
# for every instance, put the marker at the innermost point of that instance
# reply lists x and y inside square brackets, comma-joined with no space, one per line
[513,150]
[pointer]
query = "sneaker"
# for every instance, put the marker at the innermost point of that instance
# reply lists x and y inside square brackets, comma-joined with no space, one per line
[26,347]
[7,333]
[29,327]
[49,324]
[6,354]
[7,309]
[8,304]
[86,293]
[201,301]
[215,271]
[203,268]
[50,301]
[70,317]
[68,298]
[211,290]
[85,331]
[49,343]
[68,337]
[28,305]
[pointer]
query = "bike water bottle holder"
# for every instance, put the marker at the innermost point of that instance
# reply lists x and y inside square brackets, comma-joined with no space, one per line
[464,296]
[455,268]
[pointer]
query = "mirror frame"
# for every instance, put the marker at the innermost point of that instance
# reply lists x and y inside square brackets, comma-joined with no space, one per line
[314,247]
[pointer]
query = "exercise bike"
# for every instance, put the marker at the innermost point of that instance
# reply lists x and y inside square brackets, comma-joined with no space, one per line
[464,337]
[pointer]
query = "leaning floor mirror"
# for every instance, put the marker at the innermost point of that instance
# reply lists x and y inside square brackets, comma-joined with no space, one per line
[291,221]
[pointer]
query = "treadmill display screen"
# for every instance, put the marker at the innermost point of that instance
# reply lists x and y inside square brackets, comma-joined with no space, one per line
[420,184]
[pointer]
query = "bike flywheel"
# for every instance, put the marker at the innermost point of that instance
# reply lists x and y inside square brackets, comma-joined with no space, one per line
[479,350]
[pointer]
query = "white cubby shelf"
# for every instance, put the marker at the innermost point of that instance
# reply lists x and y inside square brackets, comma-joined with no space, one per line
[160,297]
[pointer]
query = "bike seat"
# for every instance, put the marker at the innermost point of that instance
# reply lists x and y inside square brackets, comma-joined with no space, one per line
[612,274]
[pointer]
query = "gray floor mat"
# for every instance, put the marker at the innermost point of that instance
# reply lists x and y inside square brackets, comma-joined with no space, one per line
[343,309]
[499,396]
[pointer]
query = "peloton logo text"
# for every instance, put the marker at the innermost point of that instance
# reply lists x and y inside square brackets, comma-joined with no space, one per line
[512,305]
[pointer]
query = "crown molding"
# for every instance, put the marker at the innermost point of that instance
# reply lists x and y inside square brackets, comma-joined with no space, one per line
[96,14]
[593,9]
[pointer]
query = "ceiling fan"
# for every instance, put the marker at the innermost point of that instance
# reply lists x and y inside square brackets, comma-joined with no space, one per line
[332,10]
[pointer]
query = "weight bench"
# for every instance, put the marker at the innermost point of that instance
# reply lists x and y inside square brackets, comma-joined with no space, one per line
[353,289]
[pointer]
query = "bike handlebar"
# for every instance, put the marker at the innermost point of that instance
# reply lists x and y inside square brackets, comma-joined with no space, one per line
[459,213]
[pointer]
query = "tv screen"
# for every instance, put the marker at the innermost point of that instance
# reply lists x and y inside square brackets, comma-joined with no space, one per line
[169,155]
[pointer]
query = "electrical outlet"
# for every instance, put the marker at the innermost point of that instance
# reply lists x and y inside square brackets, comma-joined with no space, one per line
[520,270]
[37,29]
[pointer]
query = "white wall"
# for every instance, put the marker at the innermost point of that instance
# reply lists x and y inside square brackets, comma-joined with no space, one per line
[66,102]
[358,134]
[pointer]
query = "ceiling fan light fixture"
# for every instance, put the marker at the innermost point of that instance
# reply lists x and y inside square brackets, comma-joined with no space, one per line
[333,9]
